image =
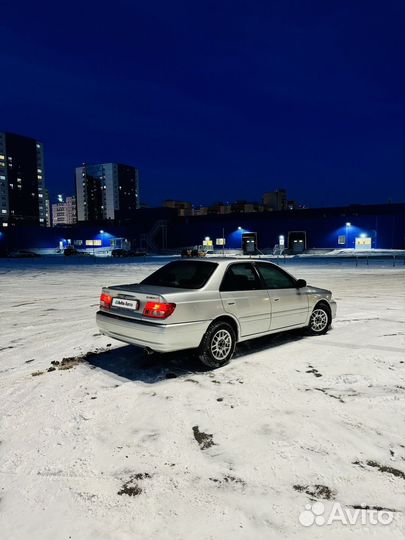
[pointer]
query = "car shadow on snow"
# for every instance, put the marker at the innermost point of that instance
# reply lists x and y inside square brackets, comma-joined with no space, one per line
[134,364]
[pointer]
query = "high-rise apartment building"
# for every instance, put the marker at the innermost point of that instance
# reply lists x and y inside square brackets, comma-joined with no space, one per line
[64,211]
[22,181]
[106,191]
[47,207]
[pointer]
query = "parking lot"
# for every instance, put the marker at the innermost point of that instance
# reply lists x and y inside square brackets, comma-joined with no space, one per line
[100,441]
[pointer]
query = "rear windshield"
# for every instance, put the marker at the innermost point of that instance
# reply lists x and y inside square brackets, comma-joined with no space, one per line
[182,275]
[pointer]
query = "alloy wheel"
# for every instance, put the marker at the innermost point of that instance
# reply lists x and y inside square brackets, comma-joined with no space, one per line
[221,344]
[319,320]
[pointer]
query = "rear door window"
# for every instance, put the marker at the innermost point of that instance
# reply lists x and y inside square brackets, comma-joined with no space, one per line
[274,277]
[240,277]
[182,275]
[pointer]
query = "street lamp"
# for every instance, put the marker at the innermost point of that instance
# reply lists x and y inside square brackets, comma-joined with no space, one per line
[241,229]
[348,225]
[102,238]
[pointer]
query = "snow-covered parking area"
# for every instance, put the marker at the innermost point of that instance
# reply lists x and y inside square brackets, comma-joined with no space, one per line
[114,445]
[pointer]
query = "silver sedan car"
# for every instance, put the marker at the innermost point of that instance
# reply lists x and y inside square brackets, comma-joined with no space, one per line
[211,305]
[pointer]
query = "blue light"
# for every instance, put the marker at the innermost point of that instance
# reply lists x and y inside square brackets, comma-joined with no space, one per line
[234,240]
[105,238]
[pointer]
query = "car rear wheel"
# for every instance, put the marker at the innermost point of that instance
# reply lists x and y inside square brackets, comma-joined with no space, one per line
[217,345]
[320,320]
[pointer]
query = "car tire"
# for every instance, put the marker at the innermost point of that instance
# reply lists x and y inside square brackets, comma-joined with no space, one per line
[218,345]
[320,320]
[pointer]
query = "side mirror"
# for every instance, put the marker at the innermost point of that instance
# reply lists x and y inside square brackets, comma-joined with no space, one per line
[300,283]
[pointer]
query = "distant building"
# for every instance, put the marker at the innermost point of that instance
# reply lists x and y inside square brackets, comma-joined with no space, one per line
[184,208]
[64,211]
[106,191]
[22,181]
[47,206]
[201,210]
[245,207]
[275,200]
[292,205]
[220,208]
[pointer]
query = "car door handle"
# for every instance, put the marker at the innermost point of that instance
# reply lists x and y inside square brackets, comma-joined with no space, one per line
[276,299]
[231,303]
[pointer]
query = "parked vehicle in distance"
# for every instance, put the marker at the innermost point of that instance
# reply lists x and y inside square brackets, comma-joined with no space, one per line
[210,305]
[127,253]
[196,251]
[69,251]
[23,254]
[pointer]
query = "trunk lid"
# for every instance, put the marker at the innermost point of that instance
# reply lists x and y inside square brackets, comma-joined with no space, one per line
[130,300]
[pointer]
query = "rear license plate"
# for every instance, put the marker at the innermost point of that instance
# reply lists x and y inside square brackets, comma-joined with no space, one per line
[125,304]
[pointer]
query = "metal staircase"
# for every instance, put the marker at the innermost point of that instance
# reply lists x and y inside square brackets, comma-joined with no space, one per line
[156,239]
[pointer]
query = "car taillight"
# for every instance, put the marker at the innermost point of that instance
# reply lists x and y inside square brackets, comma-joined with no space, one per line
[158,311]
[105,301]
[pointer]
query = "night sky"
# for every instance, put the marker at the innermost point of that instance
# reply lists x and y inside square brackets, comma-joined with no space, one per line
[214,100]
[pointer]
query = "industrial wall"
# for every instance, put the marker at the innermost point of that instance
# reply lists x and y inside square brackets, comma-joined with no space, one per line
[383,225]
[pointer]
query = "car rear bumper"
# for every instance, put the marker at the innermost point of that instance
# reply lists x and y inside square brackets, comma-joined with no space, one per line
[156,336]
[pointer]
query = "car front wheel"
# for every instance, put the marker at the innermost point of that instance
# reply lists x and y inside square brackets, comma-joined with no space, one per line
[320,320]
[218,345]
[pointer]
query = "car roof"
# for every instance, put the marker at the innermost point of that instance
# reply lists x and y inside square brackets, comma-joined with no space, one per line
[225,260]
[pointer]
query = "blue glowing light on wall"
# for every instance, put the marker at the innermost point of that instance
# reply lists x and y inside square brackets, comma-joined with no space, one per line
[105,238]
[350,233]
[234,239]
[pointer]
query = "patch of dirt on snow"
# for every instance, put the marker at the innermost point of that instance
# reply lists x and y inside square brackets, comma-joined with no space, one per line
[367,507]
[131,486]
[316,491]
[205,440]
[72,361]
[325,391]
[314,371]
[228,479]
[381,468]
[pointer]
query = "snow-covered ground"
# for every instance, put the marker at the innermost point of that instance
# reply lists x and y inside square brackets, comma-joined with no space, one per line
[350,252]
[116,446]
